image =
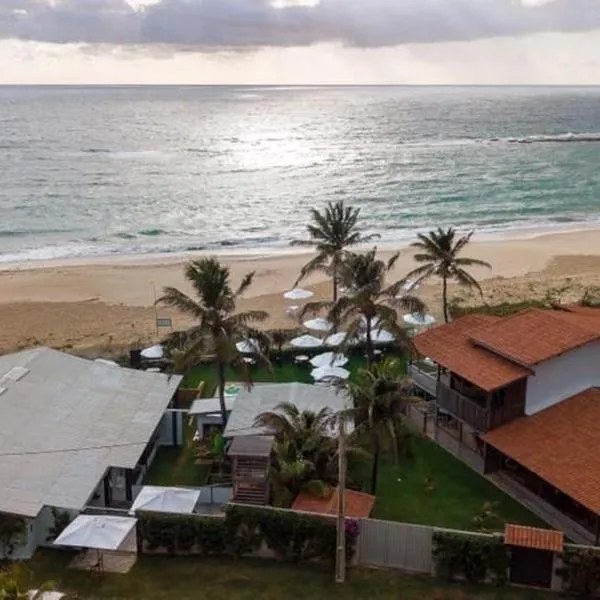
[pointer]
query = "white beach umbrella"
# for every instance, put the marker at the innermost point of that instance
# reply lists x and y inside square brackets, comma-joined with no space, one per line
[306,341]
[419,320]
[153,352]
[328,359]
[379,336]
[250,346]
[411,285]
[335,339]
[321,373]
[298,294]
[375,321]
[48,595]
[318,324]
[96,531]
[166,499]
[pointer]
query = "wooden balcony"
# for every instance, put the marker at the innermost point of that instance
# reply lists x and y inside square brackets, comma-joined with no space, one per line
[426,380]
[462,408]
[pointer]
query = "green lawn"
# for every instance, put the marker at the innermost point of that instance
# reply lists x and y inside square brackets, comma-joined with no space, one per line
[176,465]
[285,372]
[433,488]
[161,578]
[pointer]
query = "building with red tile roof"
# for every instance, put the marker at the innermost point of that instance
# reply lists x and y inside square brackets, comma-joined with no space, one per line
[518,399]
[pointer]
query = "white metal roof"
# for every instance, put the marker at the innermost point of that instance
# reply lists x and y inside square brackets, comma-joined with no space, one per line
[306,397]
[68,419]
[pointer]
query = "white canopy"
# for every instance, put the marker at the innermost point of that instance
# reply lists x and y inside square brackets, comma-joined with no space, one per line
[419,320]
[335,339]
[319,324]
[374,322]
[96,531]
[166,499]
[329,373]
[47,595]
[328,359]
[379,336]
[306,341]
[250,346]
[411,285]
[298,294]
[153,352]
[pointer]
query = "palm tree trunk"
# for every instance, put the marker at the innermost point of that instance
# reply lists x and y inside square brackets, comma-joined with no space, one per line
[445,298]
[335,276]
[375,466]
[221,385]
[369,346]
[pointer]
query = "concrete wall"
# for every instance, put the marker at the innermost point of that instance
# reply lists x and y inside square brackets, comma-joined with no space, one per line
[563,377]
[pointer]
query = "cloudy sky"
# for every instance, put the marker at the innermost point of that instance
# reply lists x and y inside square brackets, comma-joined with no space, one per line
[300,41]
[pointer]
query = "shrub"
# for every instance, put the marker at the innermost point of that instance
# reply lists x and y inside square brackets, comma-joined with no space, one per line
[581,571]
[474,558]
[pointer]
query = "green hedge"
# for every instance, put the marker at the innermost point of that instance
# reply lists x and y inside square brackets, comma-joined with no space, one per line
[476,558]
[291,536]
[581,571]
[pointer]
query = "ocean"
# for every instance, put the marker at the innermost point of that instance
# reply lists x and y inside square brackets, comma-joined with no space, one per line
[92,171]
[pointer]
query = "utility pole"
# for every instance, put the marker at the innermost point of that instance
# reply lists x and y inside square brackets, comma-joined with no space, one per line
[340,557]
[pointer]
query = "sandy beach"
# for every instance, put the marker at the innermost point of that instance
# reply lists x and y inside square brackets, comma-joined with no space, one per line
[105,306]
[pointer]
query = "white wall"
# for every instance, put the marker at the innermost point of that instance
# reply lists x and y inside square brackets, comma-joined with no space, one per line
[165,428]
[562,377]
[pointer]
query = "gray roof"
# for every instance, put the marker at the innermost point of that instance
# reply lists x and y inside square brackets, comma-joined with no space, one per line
[64,420]
[251,445]
[306,397]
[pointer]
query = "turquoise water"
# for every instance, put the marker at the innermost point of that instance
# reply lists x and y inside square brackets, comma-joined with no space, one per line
[107,171]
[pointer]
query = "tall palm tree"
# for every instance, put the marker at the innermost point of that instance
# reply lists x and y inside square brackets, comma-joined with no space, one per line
[304,450]
[380,397]
[331,232]
[373,304]
[438,253]
[219,326]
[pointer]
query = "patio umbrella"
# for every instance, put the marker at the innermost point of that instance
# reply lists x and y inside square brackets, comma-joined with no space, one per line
[250,346]
[306,341]
[165,499]
[96,531]
[153,352]
[375,321]
[411,285]
[379,336]
[335,339]
[419,320]
[321,373]
[318,324]
[328,359]
[298,294]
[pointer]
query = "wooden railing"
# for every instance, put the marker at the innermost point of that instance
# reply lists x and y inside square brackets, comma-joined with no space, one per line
[426,380]
[462,408]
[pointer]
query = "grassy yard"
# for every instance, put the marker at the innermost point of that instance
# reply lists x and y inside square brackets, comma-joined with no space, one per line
[434,488]
[159,578]
[177,466]
[285,372]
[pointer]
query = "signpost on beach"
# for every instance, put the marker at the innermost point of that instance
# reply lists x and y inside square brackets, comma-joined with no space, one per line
[160,322]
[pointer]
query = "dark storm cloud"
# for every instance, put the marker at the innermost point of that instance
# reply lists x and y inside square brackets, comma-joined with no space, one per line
[251,23]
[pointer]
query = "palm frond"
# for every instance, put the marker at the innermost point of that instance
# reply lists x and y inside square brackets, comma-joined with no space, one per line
[182,302]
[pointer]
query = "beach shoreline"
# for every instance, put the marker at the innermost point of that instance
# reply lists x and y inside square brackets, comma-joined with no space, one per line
[106,305]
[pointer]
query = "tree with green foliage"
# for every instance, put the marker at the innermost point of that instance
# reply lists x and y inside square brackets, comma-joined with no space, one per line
[15,584]
[373,304]
[304,451]
[332,231]
[219,325]
[438,254]
[381,395]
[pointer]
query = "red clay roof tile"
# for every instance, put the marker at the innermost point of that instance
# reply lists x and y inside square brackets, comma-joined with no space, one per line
[357,506]
[532,537]
[559,444]
[450,346]
[533,336]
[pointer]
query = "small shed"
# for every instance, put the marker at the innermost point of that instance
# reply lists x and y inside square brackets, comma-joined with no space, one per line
[251,457]
[532,553]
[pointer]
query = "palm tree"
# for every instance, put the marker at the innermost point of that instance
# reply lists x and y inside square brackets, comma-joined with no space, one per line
[219,326]
[331,232]
[380,397]
[373,304]
[438,254]
[304,451]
